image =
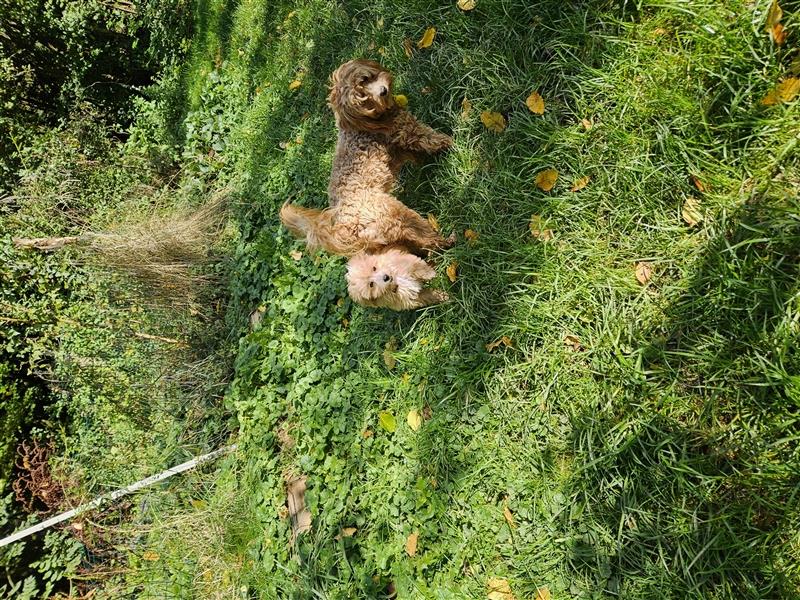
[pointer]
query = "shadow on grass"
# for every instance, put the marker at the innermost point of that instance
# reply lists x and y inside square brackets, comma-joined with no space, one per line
[690,482]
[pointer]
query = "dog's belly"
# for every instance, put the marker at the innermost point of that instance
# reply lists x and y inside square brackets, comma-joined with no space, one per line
[362,164]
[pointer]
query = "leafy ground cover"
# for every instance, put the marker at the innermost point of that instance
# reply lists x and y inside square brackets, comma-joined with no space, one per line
[634,432]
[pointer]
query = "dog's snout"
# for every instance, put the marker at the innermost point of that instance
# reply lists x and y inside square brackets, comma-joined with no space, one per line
[387,278]
[384,90]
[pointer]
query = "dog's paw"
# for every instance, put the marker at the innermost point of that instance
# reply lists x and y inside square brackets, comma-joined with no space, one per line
[445,143]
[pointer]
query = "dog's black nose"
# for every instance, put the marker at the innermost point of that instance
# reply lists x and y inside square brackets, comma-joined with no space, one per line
[384,91]
[387,278]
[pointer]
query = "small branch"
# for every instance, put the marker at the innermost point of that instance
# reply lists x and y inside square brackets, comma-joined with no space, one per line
[46,244]
[158,338]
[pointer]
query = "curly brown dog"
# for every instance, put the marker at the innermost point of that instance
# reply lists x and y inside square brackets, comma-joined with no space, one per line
[375,138]
[392,278]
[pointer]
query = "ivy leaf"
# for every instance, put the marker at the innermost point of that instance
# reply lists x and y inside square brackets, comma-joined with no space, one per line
[387,421]
[493,121]
[546,180]
[427,38]
[535,103]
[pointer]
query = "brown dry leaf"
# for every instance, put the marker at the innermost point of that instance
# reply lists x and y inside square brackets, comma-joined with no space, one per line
[543,593]
[786,91]
[296,503]
[425,90]
[345,322]
[509,517]
[427,38]
[433,221]
[150,556]
[701,187]
[414,419]
[644,271]
[388,353]
[466,108]
[411,543]
[691,211]
[493,121]
[466,4]
[471,235]
[346,532]
[367,433]
[778,33]
[401,100]
[573,342]
[451,271]
[546,180]
[408,47]
[580,184]
[774,16]
[537,229]
[503,341]
[497,588]
[587,124]
[535,103]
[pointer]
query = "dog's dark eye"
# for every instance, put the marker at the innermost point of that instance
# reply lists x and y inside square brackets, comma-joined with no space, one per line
[371,284]
[363,79]
[374,268]
[386,278]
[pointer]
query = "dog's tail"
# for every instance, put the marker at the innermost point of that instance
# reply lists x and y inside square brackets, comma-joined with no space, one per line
[317,228]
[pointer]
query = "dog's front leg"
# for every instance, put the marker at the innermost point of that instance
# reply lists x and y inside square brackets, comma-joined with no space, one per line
[428,296]
[409,134]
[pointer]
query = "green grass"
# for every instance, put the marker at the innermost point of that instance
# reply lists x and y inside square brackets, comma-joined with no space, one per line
[658,461]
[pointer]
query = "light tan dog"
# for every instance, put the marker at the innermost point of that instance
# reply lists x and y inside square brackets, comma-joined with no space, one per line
[392,278]
[375,138]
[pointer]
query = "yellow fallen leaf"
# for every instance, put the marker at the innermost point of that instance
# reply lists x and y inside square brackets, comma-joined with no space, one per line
[345,322]
[296,254]
[411,543]
[150,556]
[414,419]
[786,91]
[401,100]
[493,121]
[778,33]
[538,230]
[367,433]
[434,222]
[644,271]
[466,108]
[573,342]
[295,84]
[388,353]
[198,504]
[427,38]
[346,532]
[691,212]
[535,103]
[543,593]
[451,271]
[387,421]
[580,184]
[471,235]
[546,180]
[587,124]
[774,15]
[698,183]
[509,517]
[466,4]
[408,47]
[503,341]
[497,588]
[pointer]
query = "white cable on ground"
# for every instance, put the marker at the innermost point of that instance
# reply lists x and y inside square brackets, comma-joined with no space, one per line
[110,497]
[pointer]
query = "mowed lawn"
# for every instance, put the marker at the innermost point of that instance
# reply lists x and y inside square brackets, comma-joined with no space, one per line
[635,434]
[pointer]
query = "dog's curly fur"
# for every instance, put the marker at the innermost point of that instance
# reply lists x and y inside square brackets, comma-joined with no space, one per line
[392,278]
[375,138]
